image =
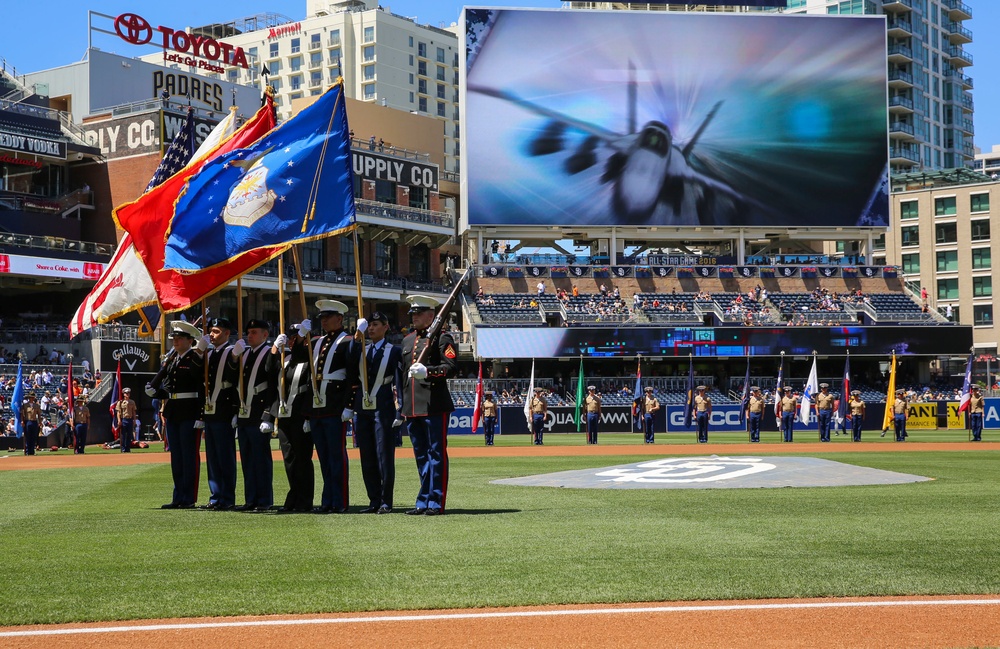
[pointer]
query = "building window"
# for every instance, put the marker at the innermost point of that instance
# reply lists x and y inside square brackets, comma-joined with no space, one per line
[368,72]
[276,84]
[422,105]
[981,258]
[334,57]
[369,35]
[385,258]
[294,96]
[411,41]
[442,109]
[296,82]
[296,45]
[347,255]
[420,263]
[275,68]
[946,233]
[315,59]
[441,91]
[911,264]
[878,243]
[440,73]
[369,90]
[909,235]
[440,55]
[335,37]
[296,63]
[945,206]
[315,78]
[982,286]
[979,203]
[947,289]
[422,49]
[908,210]
[315,41]
[232,75]
[273,50]
[947,260]
[422,86]
[368,53]
[422,68]
[980,230]
[982,314]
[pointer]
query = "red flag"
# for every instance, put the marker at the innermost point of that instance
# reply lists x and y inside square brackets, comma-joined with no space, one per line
[69,396]
[147,219]
[477,413]
[116,395]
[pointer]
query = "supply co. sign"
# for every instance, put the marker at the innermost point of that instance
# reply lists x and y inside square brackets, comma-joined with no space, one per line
[188,49]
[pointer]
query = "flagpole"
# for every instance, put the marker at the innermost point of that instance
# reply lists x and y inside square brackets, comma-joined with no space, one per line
[360,335]
[281,328]
[239,328]
[812,406]
[204,324]
[302,305]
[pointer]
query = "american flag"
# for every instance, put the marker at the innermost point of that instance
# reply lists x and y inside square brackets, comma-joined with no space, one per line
[963,403]
[779,391]
[178,154]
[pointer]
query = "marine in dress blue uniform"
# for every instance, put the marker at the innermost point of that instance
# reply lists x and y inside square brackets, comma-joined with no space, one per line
[31,414]
[755,411]
[856,409]
[789,406]
[427,403]
[125,413]
[703,411]
[181,382]
[330,408]
[976,404]
[824,411]
[375,411]
[81,423]
[592,407]
[290,415]
[489,417]
[900,413]
[650,406]
[257,387]
[221,406]
[539,407]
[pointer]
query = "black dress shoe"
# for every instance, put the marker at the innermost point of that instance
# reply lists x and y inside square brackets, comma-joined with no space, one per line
[262,508]
[243,508]
[209,506]
[420,511]
[384,509]
[433,511]
[170,506]
[186,506]
[323,509]
[369,510]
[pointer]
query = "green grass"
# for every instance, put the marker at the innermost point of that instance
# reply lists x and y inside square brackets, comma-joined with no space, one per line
[91,544]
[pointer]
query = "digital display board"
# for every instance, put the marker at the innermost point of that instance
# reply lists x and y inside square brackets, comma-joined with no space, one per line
[563,342]
[615,118]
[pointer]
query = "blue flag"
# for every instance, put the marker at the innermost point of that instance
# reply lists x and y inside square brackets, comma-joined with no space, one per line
[16,399]
[294,184]
[745,399]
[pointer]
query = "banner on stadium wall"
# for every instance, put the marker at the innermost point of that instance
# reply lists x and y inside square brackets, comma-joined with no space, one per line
[922,416]
[991,413]
[562,419]
[956,419]
[460,423]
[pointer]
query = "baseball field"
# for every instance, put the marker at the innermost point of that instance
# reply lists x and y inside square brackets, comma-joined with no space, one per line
[87,547]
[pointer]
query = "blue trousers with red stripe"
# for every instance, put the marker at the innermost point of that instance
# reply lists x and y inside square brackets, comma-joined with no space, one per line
[331,449]
[256,462]
[429,436]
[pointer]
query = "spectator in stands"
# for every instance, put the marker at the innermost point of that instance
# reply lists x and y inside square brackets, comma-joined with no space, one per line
[479,295]
[616,293]
[603,290]
[540,287]
[576,291]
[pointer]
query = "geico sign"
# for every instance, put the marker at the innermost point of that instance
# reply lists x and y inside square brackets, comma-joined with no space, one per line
[718,418]
[133,28]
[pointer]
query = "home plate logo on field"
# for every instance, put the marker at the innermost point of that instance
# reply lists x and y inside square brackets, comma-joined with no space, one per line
[718,473]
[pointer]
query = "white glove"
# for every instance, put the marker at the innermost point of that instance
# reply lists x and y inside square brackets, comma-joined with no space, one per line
[304,327]
[418,371]
[306,428]
[150,392]
[280,341]
[233,422]
[266,427]
[203,343]
[347,415]
[399,421]
[198,425]
[362,325]
[239,347]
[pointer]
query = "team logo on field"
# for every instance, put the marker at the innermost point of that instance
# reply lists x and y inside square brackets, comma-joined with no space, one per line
[682,469]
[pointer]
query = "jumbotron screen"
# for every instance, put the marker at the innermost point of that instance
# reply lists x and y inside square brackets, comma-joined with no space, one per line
[627,118]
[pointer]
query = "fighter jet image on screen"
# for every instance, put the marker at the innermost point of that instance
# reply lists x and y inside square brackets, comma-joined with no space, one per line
[653,176]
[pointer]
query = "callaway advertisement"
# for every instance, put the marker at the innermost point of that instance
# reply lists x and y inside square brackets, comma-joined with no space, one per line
[671,119]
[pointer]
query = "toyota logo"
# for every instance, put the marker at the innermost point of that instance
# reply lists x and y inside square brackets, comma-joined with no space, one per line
[134,29]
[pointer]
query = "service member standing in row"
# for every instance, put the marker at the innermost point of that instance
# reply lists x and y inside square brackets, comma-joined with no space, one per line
[80,420]
[755,411]
[31,416]
[900,413]
[824,411]
[650,407]
[125,412]
[703,410]
[857,410]
[375,412]
[331,408]
[789,406]
[489,417]
[539,407]
[181,382]
[427,403]
[976,403]
[592,405]
[290,414]
[258,378]
[221,406]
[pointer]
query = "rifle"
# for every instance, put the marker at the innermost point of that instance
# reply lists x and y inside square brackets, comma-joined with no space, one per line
[435,329]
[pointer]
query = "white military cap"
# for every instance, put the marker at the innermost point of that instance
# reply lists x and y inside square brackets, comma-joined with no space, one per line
[181,328]
[421,303]
[327,307]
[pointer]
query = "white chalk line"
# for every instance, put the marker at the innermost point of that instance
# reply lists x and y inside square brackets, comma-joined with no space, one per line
[497,615]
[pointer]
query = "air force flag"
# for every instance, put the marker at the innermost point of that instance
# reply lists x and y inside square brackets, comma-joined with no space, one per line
[295,184]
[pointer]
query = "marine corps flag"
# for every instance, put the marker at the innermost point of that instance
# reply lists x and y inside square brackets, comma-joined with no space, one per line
[295,184]
[890,396]
[477,412]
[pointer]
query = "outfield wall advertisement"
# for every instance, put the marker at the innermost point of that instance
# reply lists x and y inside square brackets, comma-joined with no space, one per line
[629,118]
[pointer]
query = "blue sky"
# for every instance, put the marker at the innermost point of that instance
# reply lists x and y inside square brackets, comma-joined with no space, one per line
[40,35]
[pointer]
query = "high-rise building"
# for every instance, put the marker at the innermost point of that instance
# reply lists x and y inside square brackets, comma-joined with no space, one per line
[930,105]
[385,59]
